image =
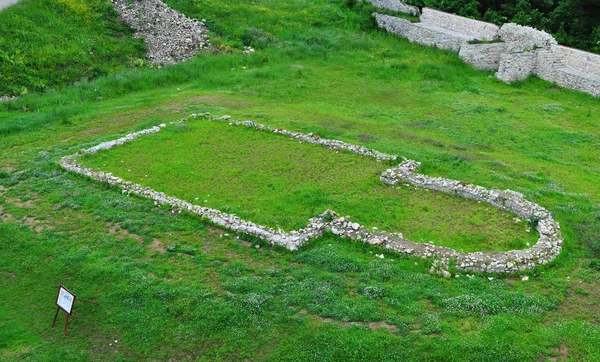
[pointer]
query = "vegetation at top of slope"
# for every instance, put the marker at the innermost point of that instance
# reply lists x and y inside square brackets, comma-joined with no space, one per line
[575,23]
[274,181]
[47,44]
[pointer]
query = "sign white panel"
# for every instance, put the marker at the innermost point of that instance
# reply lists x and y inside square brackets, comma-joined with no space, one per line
[65,299]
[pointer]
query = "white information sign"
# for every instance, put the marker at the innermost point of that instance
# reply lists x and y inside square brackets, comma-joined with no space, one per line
[65,299]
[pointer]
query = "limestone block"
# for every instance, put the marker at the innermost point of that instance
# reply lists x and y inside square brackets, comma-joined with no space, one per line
[516,66]
[520,38]
[482,56]
[473,28]
[396,5]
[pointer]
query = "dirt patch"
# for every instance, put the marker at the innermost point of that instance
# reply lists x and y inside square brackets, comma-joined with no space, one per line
[561,353]
[34,224]
[372,325]
[5,216]
[18,202]
[157,245]
[210,100]
[120,233]
[583,301]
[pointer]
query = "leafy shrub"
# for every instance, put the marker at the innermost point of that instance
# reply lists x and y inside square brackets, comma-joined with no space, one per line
[257,38]
[595,264]
[330,259]
[372,291]
[493,304]
[430,323]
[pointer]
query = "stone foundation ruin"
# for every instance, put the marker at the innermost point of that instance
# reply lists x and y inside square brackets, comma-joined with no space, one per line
[545,250]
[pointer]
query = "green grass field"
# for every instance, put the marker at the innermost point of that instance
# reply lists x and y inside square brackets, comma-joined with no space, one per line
[171,287]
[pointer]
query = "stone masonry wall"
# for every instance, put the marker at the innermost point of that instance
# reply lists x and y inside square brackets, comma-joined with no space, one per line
[470,27]
[422,34]
[395,5]
[545,250]
[570,68]
[523,38]
[482,56]
[523,51]
[516,66]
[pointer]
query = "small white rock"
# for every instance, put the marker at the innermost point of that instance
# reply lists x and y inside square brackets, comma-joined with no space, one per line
[524,278]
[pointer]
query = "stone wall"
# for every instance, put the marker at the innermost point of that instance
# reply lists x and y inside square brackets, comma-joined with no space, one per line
[545,250]
[570,68]
[523,51]
[474,29]
[395,5]
[482,56]
[422,33]
[523,38]
[516,66]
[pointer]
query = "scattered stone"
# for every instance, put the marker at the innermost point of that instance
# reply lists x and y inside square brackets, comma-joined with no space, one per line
[7,98]
[169,35]
[524,278]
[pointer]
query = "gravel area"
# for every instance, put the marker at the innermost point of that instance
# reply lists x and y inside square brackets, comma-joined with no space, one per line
[169,35]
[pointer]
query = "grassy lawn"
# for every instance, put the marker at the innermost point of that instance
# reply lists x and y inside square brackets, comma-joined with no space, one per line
[171,287]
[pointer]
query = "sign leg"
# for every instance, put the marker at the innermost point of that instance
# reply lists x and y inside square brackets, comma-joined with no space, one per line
[66,325]
[55,316]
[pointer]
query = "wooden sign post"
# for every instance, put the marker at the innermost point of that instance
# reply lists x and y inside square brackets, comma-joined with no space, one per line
[65,301]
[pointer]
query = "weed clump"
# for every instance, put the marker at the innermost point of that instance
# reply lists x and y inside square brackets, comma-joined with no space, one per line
[257,38]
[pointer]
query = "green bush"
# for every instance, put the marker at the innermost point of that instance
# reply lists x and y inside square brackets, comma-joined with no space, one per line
[257,38]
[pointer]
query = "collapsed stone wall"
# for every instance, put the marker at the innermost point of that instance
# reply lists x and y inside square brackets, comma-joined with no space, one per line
[169,35]
[516,51]
[545,250]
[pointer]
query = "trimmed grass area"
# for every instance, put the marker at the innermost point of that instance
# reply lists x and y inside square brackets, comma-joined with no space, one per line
[172,287]
[275,181]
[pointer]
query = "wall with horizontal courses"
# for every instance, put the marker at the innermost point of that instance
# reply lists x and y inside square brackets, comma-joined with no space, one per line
[482,56]
[470,27]
[422,33]
[395,5]
[570,68]
[545,250]
[523,51]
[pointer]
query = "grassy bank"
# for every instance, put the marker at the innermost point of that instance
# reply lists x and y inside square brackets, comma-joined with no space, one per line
[47,44]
